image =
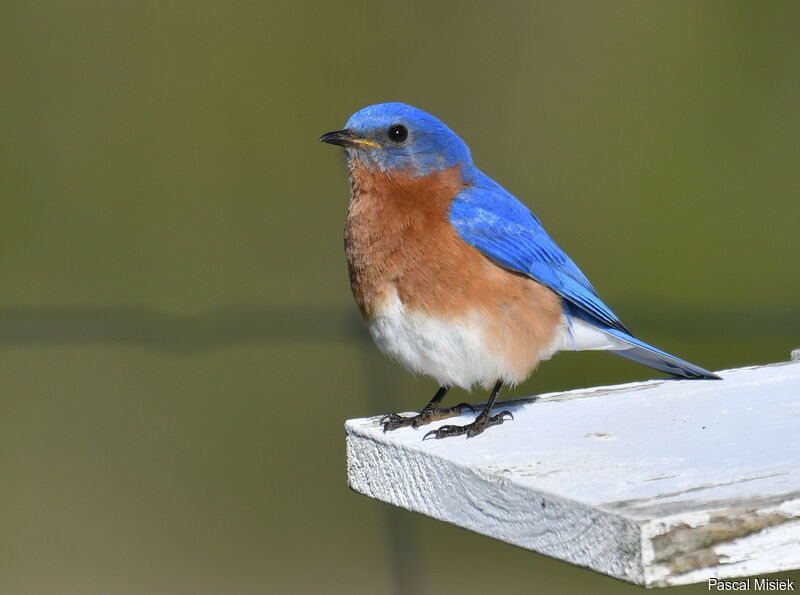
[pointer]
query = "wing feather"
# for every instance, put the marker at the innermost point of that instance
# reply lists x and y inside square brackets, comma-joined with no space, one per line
[492,220]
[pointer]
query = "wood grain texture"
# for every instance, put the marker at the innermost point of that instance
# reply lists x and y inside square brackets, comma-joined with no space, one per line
[659,483]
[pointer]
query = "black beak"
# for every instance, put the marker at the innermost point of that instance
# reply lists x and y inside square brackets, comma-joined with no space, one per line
[347,138]
[343,138]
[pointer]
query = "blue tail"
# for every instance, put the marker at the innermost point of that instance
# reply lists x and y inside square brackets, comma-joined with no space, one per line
[641,352]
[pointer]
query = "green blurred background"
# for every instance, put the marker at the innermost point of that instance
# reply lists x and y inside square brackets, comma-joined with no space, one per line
[179,345]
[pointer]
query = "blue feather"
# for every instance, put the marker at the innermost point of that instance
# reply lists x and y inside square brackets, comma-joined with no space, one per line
[492,220]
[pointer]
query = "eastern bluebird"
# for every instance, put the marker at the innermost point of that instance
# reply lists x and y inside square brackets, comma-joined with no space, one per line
[455,277]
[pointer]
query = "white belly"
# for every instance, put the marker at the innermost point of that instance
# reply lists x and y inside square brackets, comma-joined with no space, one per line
[456,352]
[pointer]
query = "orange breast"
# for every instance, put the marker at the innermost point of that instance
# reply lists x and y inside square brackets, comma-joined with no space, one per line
[398,238]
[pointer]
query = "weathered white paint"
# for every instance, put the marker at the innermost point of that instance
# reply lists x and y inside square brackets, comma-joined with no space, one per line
[659,483]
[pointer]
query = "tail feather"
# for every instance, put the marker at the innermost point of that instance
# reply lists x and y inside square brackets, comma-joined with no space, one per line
[641,352]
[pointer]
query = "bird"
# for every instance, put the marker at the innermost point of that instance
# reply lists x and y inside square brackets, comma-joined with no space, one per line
[455,277]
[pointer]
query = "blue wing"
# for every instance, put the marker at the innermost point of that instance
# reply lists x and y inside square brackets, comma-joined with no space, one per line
[488,217]
[492,220]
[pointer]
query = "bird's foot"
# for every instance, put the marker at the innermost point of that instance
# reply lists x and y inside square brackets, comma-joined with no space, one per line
[481,422]
[392,421]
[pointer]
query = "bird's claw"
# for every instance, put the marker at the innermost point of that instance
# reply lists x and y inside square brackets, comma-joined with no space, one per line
[393,421]
[476,427]
[388,417]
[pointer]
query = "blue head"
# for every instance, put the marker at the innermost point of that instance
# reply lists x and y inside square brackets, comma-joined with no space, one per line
[398,136]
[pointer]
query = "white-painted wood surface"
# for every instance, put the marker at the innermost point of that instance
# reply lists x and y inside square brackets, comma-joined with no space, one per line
[659,483]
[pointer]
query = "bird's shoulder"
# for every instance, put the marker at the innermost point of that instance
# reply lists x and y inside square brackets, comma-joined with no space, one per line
[496,222]
[483,196]
[488,217]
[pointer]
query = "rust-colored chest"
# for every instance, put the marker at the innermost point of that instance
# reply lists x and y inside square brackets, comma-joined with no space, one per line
[398,238]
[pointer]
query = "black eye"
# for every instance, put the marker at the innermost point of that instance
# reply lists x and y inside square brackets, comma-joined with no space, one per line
[398,133]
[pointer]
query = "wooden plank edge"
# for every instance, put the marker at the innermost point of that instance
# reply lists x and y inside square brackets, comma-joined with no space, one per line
[425,483]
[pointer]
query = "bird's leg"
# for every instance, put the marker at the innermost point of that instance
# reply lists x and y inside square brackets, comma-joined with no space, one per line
[484,420]
[392,421]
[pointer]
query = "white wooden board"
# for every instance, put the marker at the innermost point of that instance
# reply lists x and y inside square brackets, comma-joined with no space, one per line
[658,483]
